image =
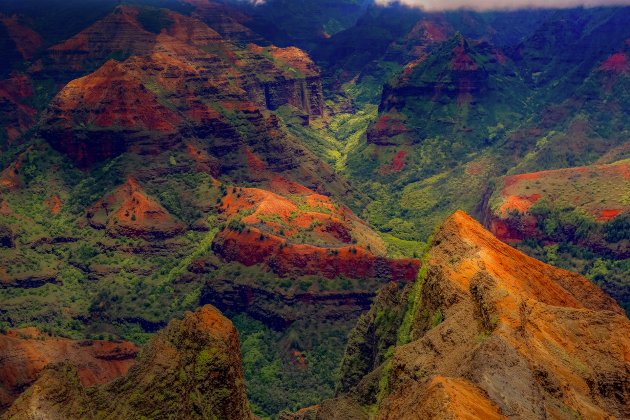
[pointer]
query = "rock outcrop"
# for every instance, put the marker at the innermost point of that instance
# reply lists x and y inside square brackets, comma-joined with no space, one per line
[492,333]
[182,81]
[27,352]
[254,247]
[129,211]
[191,369]
[303,233]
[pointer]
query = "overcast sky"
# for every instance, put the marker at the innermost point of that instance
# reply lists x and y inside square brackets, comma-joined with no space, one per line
[502,4]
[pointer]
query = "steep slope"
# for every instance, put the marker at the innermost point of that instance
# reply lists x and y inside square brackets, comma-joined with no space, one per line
[26,353]
[118,34]
[490,332]
[192,368]
[576,218]
[303,233]
[16,114]
[128,211]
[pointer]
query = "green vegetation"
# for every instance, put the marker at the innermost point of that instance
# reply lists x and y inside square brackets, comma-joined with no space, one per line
[290,369]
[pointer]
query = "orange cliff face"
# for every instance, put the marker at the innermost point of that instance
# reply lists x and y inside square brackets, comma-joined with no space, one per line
[129,211]
[198,355]
[515,337]
[26,352]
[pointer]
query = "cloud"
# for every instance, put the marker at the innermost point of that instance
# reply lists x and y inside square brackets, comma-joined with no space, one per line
[436,5]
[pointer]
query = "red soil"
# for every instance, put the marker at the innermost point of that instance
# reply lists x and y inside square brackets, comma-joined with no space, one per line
[290,56]
[521,203]
[461,60]
[253,247]
[386,127]
[513,186]
[398,162]
[608,215]
[54,204]
[26,352]
[112,97]
[254,163]
[281,185]
[204,161]
[128,211]
[10,176]
[617,63]
[434,32]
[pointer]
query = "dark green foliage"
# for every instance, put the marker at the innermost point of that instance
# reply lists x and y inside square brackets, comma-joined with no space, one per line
[275,378]
[153,20]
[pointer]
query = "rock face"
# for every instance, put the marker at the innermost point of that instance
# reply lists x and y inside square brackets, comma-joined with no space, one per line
[279,309]
[16,115]
[191,369]
[492,333]
[129,211]
[118,33]
[303,233]
[26,353]
[181,81]
[298,259]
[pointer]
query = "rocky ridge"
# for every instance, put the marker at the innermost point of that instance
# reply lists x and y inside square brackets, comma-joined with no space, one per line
[192,368]
[489,332]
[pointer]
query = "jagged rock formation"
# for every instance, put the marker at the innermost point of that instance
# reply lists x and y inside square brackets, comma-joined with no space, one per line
[191,369]
[26,352]
[183,81]
[492,333]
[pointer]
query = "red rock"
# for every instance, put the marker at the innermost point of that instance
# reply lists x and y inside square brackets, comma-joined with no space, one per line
[254,247]
[617,63]
[26,352]
[516,337]
[129,211]
[119,31]
[27,41]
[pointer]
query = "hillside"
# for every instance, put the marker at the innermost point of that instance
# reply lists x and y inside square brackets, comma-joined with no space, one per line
[302,167]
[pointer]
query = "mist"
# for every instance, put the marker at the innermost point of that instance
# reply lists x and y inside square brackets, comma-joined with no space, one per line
[438,5]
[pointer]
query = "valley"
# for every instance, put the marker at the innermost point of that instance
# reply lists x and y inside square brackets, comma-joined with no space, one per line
[219,209]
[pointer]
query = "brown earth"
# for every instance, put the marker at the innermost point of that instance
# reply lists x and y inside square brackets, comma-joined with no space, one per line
[26,352]
[191,369]
[490,333]
[129,211]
